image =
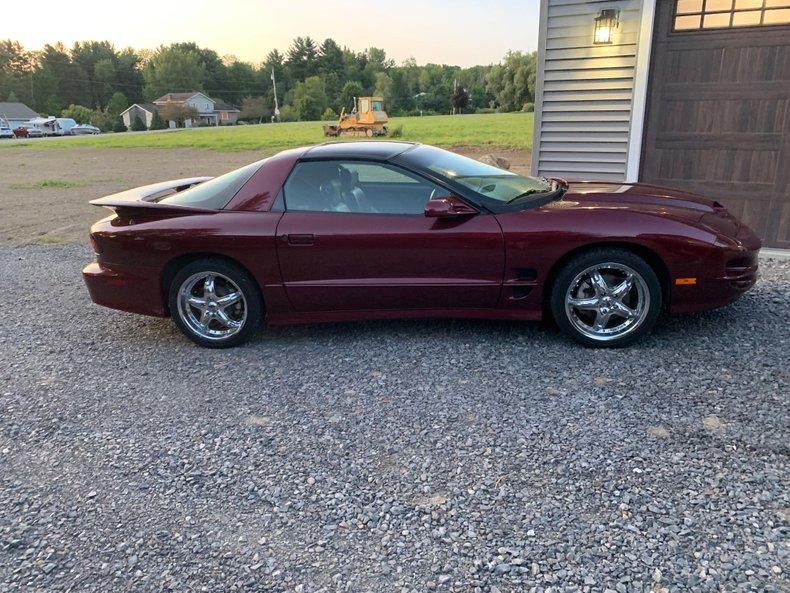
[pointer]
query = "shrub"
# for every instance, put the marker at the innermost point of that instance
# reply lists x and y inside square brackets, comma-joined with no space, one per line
[157,123]
[102,120]
[309,97]
[79,113]
[529,107]
[117,103]
[288,113]
[329,115]
[396,131]
[119,126]
[138,125]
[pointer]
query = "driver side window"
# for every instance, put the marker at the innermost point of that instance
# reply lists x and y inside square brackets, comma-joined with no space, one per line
[357,187]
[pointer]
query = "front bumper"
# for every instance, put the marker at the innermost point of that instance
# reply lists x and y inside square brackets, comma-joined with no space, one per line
[726,273]
[136,290]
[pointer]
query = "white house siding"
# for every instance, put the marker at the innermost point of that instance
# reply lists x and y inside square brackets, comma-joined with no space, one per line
[202,103]
[586,92]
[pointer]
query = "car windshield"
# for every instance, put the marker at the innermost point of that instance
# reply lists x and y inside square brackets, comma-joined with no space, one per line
[487,180]
[215,193]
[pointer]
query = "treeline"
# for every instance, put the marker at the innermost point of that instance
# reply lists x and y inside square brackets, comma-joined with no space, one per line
[93,79]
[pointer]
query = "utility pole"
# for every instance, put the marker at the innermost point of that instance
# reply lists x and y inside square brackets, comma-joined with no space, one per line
[276,104]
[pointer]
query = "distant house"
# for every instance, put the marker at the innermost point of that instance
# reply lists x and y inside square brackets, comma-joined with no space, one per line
[145,111]
[211,112]
[16,114]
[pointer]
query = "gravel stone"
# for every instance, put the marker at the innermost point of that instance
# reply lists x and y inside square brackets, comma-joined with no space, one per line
[472,456]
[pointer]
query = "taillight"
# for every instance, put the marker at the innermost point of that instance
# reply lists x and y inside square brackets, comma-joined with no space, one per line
[95,245]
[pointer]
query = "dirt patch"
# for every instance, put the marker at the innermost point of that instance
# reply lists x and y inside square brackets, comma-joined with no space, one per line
[44,194]
[520,160]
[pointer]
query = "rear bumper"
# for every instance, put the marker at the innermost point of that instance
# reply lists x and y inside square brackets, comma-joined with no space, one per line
[136,290]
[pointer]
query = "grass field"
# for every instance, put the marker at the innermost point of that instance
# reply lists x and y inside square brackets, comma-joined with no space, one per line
[505,130]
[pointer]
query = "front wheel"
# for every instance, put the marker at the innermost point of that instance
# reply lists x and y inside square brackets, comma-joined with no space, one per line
[606,298]
[215,303]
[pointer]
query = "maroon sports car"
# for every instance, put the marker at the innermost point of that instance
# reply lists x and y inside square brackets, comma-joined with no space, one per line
[374,230]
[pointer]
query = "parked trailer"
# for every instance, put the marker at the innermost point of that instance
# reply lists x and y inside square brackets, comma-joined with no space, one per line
[54,126]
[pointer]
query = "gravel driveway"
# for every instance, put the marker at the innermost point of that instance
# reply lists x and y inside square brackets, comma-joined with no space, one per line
[391,456]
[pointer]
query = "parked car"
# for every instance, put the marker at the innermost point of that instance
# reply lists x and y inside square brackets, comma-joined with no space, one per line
[83,129]
[27,131]
[381,230]
[6,132]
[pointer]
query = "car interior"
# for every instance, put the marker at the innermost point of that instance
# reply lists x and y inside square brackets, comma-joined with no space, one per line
[356,187]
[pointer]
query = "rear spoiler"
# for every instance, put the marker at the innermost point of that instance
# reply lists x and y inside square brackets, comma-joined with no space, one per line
[143,198]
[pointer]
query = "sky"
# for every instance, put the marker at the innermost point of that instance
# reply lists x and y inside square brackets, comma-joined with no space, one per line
[458,32]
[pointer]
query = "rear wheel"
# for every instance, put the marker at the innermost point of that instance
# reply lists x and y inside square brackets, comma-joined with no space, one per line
[606,298]
[215,303]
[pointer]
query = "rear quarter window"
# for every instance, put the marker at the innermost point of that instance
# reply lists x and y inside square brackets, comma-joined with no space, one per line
[215,193]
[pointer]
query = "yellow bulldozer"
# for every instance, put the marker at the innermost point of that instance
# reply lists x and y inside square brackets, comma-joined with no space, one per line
[368,118]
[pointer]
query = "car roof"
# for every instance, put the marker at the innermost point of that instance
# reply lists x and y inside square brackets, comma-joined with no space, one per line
[373,150]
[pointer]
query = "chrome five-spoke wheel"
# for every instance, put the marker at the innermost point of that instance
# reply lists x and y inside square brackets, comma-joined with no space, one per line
[212,305]
[607,301]
[606,298]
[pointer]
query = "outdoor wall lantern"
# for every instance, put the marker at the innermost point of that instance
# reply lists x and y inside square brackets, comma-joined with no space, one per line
[605,23]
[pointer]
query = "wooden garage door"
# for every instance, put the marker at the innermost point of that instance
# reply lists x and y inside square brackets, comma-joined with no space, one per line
[718,119]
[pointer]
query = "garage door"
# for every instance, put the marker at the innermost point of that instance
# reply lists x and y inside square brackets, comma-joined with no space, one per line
[718,119]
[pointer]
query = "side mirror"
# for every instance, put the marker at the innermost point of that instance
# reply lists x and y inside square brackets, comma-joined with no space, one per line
[449,207]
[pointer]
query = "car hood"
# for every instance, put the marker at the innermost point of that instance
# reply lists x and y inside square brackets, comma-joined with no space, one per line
[640,197]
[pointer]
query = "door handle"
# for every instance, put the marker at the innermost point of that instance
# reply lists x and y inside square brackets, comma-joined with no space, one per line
[304,240]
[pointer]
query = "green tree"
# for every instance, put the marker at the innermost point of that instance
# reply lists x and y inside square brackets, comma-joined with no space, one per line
[96,59]
[310,99]
[12,98]
[329,115]
[350,90]
[117,103]
[215,77]
[255,108]
[288,113]
[157,123]
[52,105]
[512,83]
[79,113]
[118,125]
[103,120]
[302,61]
[385,87]
[173,69]
[138,125]
[65,80]
[129,76]
[331,69]
[178,112]
[104,77]
[240,81]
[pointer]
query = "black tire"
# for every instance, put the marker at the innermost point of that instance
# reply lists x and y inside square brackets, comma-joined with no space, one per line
[252,301]
[583,262]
